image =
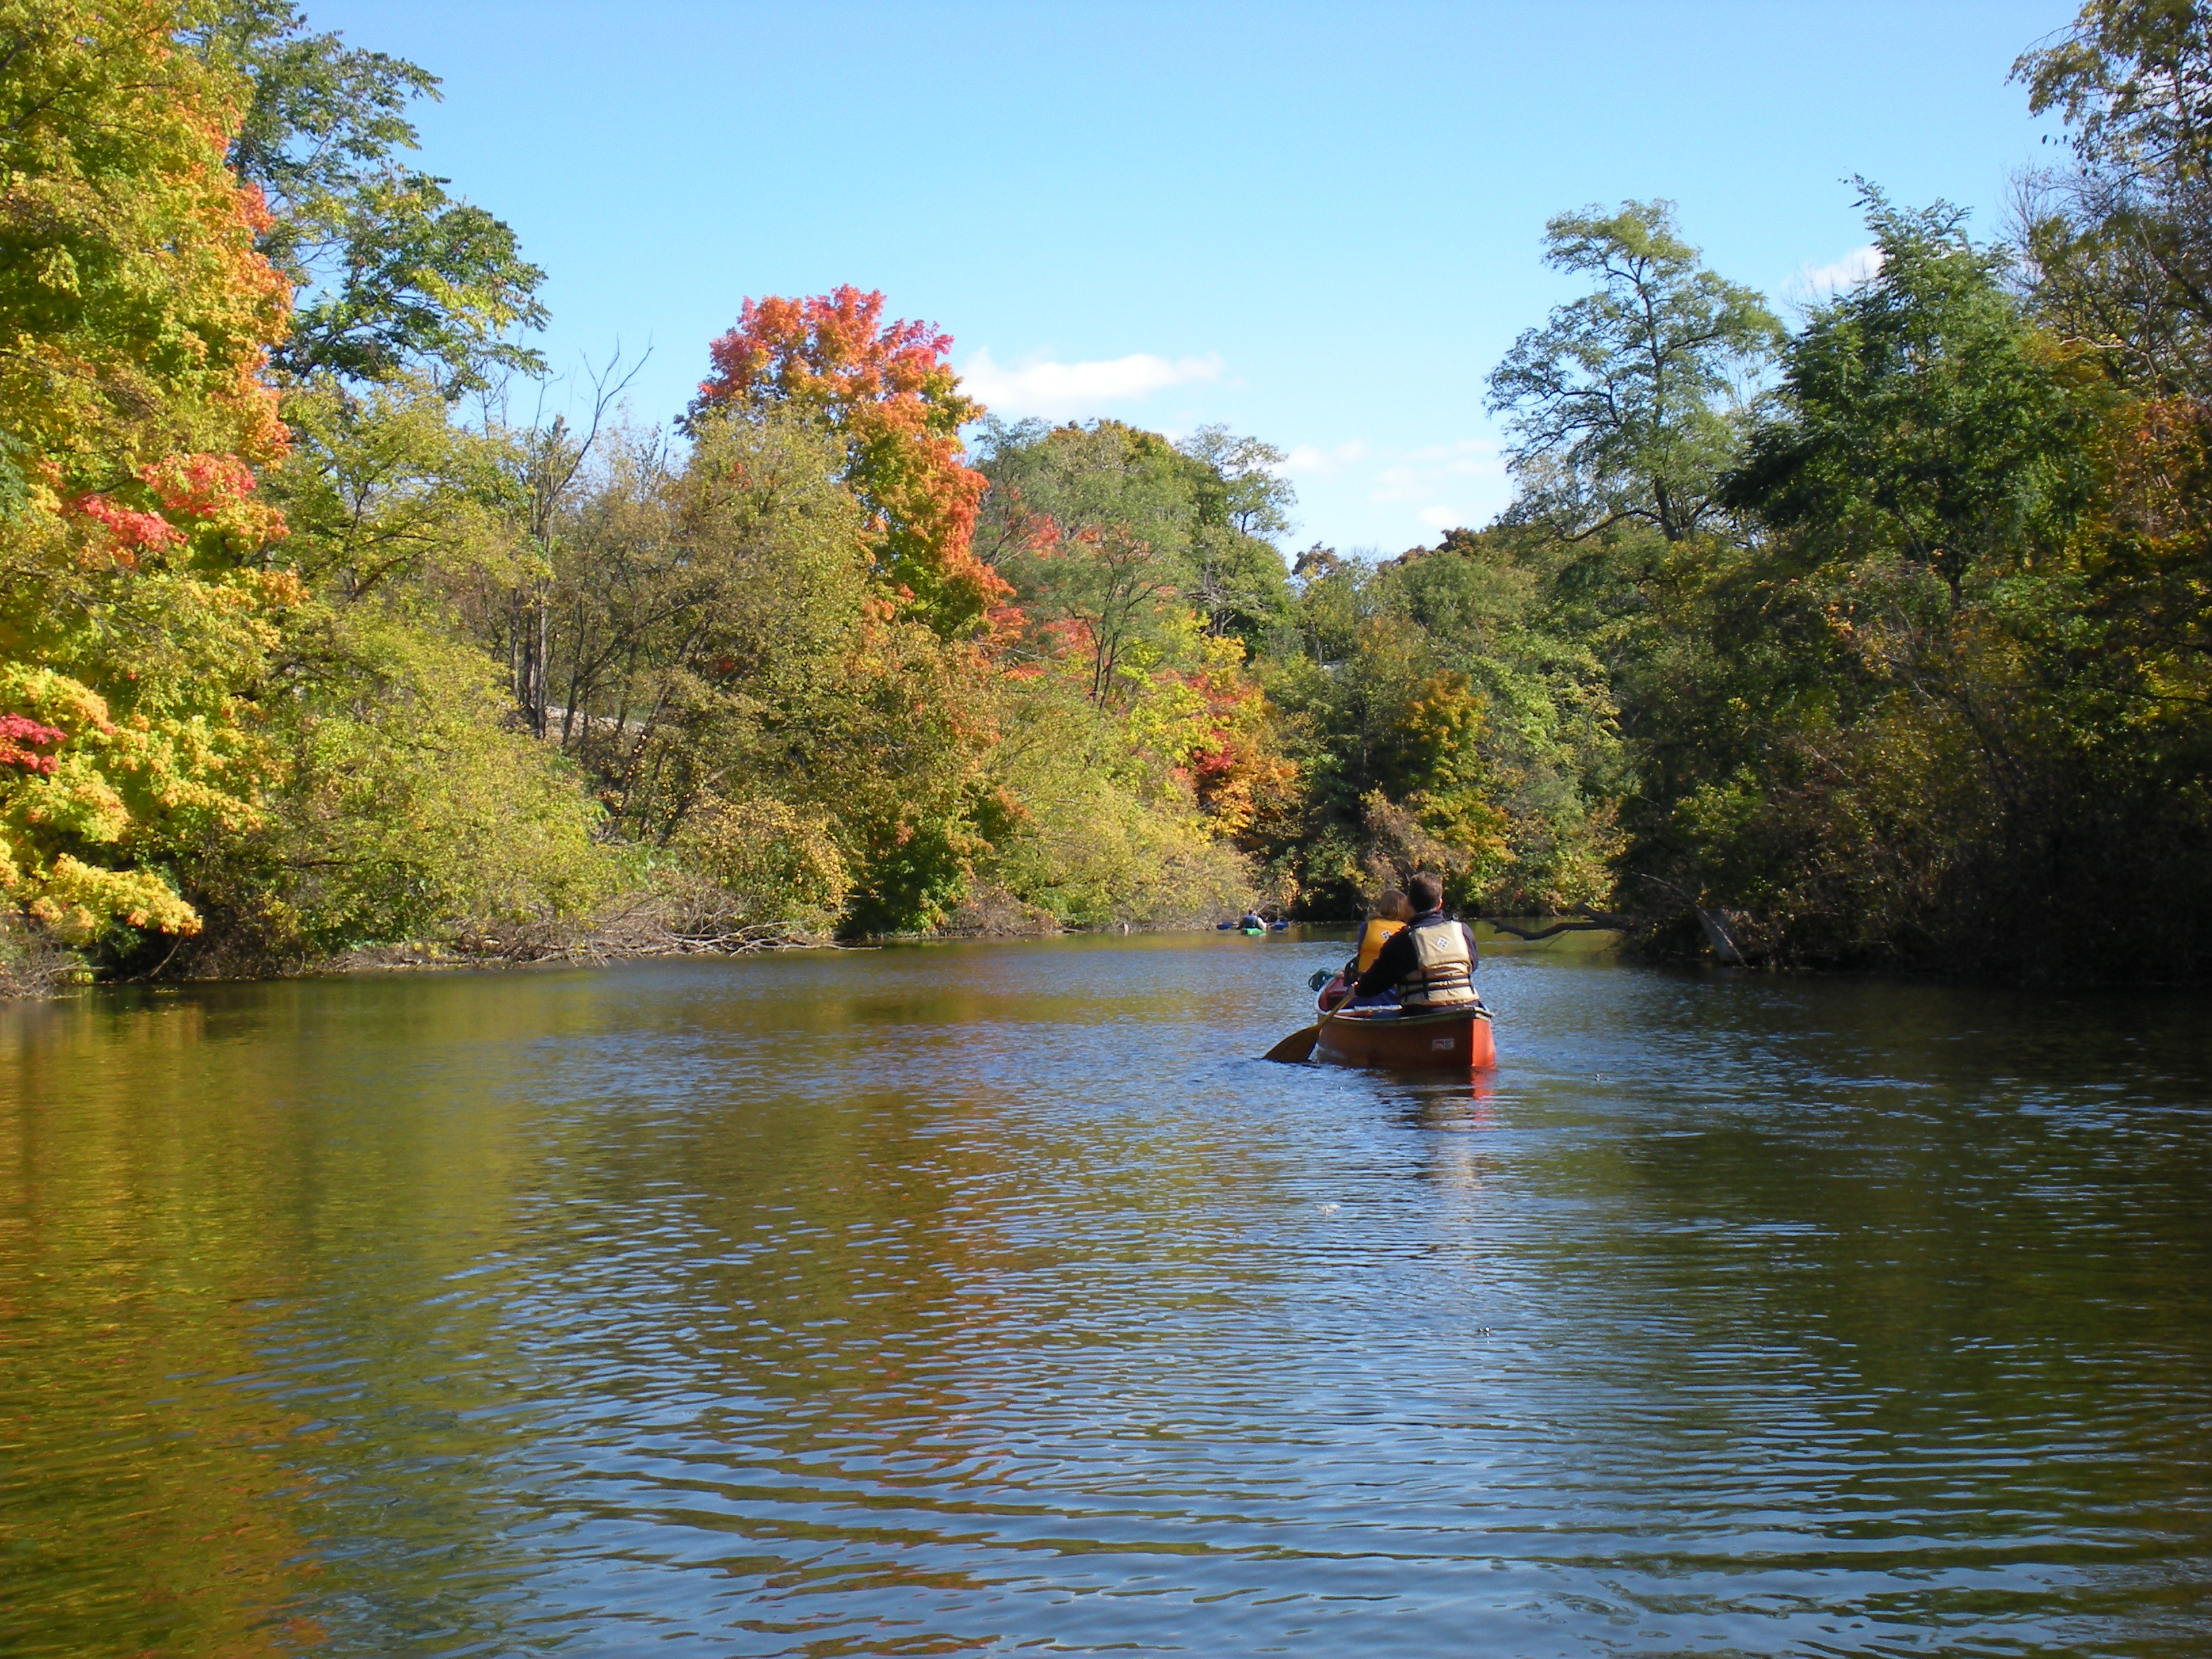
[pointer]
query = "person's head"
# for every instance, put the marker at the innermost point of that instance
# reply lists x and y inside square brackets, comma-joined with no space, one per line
[1391,905]
[1427,892]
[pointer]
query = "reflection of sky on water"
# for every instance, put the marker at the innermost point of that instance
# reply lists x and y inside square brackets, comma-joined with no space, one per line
[968,1297]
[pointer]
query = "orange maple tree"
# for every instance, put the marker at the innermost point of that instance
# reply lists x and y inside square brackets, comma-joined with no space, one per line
[887,392]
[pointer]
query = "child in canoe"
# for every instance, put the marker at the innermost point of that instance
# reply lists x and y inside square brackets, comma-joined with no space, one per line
[1391,911]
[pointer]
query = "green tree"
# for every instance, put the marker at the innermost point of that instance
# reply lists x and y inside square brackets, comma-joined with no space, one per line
[399,808]
[1242,503]
[1921,422]
[395,276]
[1438,717]
[728,672]
[1240,485]
[2121,245]
[1094,526]
[1879,747]
[1624,407]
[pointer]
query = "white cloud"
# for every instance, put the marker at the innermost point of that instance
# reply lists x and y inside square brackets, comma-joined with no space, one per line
[1442,486]
[1310,461]
[1041,386]
[1813,283]
[1472,468]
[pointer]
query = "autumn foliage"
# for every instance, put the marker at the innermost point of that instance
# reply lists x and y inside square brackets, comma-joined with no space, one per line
[27,743]
[1906,663]
[887,392]
[136,317]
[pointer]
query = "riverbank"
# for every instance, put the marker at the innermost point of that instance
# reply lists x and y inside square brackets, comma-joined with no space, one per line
[32,969]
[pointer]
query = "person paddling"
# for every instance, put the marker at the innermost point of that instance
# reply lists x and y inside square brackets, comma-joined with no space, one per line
[1430,961]
[1391,912]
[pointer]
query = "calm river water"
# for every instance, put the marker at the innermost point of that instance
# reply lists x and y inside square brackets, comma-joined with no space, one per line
[991,1299]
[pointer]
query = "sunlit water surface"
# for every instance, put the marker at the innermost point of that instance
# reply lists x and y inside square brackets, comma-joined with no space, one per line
[993,1299]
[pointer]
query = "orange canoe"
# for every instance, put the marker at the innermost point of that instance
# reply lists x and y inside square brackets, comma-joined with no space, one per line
[1442,1042]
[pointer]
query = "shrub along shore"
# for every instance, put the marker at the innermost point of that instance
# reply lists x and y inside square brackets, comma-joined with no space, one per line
[1879,642]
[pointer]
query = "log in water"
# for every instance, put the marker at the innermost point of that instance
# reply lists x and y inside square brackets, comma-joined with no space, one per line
[994,1297]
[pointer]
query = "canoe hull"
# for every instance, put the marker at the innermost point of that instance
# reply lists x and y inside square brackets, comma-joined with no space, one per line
[1438,1042]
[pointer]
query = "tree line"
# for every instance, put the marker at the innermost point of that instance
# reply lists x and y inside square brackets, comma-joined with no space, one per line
[1875,641]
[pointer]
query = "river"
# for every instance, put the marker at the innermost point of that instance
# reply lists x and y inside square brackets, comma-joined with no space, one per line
[993,1299]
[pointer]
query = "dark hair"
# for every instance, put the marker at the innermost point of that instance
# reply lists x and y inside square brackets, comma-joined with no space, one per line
[1427,892]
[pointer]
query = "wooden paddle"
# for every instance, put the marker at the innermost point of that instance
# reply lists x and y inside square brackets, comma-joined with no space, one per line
[1297,1048]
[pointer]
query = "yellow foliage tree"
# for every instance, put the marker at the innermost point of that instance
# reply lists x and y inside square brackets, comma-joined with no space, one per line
[135,320]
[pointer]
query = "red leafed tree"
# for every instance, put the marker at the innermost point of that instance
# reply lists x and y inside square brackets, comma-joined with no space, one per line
[21,740]
[888,394]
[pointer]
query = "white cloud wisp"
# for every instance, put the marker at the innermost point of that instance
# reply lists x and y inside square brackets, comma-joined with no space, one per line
[1814,284]
[1463,484]
[1311,461]
[1063,390]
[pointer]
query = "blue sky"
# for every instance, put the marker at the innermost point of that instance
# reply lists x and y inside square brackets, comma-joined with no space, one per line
[1320,225]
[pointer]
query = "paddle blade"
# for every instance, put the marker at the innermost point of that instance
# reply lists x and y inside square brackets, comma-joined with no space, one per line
[1297,1048]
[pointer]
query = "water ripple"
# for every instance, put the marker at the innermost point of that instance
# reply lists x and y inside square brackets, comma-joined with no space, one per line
[985,1299]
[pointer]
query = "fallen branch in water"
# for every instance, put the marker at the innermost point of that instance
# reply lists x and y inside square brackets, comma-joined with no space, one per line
[1717,933]
[1590,921]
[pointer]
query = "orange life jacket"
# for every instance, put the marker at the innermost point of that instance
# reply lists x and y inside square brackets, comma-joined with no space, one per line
[1371,940]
